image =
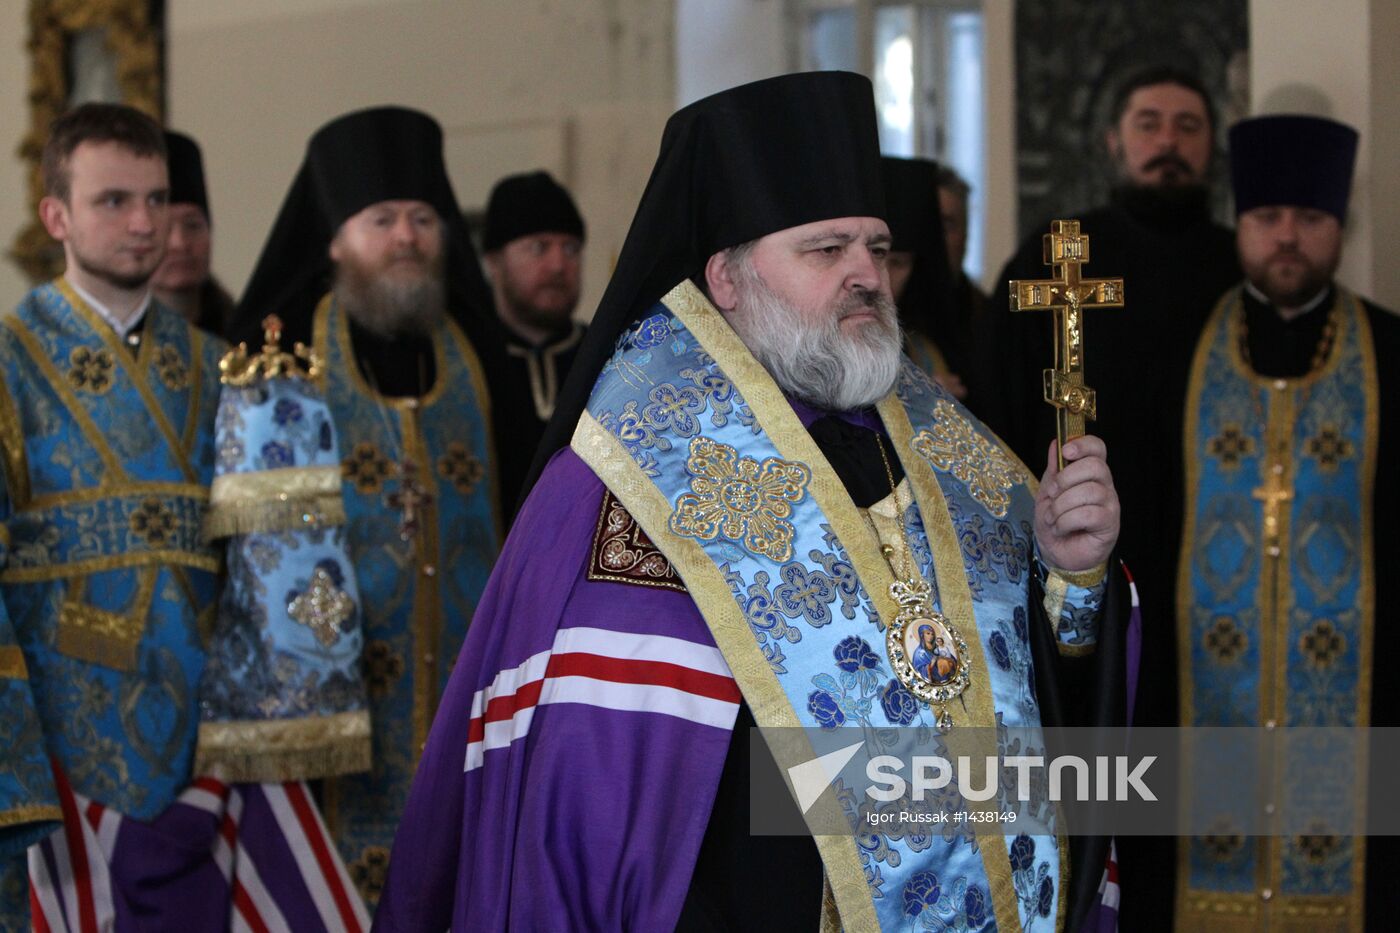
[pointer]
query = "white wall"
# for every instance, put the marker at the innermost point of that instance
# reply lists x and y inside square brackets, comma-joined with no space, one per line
[724,43]
[14,123]
[999,88]
[1338,60]
[578,87]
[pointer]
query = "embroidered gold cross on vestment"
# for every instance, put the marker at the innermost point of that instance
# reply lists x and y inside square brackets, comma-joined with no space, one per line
[1275,492]
[1068,296]
[410,498]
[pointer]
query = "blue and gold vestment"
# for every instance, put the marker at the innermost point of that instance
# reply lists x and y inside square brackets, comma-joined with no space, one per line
[423,532]
[107,457]
[1276,603]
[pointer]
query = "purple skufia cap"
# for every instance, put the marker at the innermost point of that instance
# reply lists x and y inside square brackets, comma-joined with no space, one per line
[1292,160]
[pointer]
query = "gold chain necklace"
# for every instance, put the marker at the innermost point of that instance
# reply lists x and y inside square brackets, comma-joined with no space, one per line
[928,655]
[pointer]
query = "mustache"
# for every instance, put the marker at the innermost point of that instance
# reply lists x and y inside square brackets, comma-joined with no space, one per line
[862,300]
[1169,160]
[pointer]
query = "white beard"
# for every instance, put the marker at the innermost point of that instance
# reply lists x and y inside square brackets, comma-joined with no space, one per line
[810,357]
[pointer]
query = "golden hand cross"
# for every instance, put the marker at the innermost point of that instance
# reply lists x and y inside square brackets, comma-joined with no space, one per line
[1067,295]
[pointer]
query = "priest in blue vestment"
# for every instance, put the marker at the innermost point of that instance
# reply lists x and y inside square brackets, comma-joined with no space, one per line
[753,470]
[107,586]
[370,264]
[1291,450]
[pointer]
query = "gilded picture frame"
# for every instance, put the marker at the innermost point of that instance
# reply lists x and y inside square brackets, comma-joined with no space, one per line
[81,50]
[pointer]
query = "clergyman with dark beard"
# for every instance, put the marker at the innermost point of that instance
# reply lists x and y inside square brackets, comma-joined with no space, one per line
[1156,232]
[533,247]
[369,262]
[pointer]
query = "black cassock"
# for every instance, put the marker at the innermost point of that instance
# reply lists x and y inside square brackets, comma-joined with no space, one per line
[528,381]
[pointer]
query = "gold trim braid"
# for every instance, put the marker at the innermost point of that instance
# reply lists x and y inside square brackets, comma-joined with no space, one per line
[34,813]
[12,666]
[276,750]
[955,598]
[274,500]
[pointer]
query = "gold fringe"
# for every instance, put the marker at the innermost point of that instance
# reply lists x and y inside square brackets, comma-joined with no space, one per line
[272,515]
[274,500]
[276,750]
[34,813]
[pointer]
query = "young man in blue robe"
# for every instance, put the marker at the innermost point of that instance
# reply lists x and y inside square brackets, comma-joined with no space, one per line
[369,263]
[107,402]
[754,468]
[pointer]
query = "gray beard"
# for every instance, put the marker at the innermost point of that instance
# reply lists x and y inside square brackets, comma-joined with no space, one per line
[815,361]
[391,309]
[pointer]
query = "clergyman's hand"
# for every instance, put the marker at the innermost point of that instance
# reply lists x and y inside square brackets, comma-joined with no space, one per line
[1076,510]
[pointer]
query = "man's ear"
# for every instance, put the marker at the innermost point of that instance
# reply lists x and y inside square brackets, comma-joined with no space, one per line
[719,281]
[53,213]
[493,264]
[1111,141]
[334,249]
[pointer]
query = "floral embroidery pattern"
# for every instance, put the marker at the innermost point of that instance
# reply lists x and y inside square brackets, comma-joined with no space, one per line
[171,368]
[1322,644]
[835,702]
[953,446]
[988,553]
[153,523]
[91,370]
[1317,849]
[275,455]
[739,498]
[804,594]
[675,409]
[286,411]
[366,468]
[369,872]
[960,909]
[383,667]
[1225,640]
[461,468]
[899,704]
[1329,448]
[652,332]
[1034,888]
[769,625]
[1230,446]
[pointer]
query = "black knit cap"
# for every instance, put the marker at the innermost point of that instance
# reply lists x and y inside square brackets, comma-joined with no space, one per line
[733,167]
[186,171]
[362,158]
[1292,160]
[521,205]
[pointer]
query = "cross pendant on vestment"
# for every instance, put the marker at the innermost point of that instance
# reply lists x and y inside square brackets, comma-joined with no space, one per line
[411,496]
[1274,493]
[1068,296]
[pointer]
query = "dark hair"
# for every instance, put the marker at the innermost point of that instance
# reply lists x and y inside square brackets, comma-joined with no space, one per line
[1161,74]
[99,123]
[950,179]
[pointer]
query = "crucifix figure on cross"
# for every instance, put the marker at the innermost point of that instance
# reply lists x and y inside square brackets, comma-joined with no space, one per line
[1068,296]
